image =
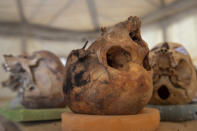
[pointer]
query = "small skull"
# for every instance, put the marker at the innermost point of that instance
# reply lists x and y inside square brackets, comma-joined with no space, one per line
[37,78]
[174,77]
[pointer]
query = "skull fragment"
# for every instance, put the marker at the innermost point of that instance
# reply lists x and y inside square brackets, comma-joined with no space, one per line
[111,77]
[174,76]
[37,78]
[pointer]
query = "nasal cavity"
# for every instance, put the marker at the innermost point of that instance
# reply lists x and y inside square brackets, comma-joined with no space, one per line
[118,58]
[163,92]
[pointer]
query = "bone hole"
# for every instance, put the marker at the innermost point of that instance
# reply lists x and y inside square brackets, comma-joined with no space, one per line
[163,92]
[118,58]
[134,37]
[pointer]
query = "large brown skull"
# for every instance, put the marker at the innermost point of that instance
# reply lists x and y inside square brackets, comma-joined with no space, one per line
[112,76]
[38,78]
[174,76]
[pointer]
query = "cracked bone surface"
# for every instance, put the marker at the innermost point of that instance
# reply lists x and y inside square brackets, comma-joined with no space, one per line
[174,77]
[112,76]
[38,78]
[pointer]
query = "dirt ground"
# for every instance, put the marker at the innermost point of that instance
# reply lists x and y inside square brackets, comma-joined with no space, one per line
[178,126]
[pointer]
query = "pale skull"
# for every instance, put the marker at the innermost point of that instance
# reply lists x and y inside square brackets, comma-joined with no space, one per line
[174,77]
[38,79]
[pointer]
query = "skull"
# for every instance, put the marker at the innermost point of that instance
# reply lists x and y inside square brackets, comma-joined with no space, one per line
[174,77]
[112,76]
[37,78]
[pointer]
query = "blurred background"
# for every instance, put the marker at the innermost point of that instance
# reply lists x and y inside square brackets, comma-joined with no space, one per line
[63,25]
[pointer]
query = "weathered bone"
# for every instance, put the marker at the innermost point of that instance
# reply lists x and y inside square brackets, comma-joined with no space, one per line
[113,78]
[39,77]
[174,76]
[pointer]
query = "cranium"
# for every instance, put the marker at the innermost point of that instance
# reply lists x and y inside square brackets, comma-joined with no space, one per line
[38,78]
[113,75]
[174,76]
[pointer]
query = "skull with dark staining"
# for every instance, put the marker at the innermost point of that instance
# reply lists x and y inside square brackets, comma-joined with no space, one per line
[113,75]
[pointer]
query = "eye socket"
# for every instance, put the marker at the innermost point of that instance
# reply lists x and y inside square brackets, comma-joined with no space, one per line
[118,57]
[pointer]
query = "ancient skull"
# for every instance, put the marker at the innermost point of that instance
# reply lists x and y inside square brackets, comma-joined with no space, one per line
[38,78]
[174,76]
[113,75]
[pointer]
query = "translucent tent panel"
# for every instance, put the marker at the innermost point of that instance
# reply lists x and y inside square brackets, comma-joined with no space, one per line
[63,60]
[152,35]
[8,11]
[184,32]
[61,49]
[77,14]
